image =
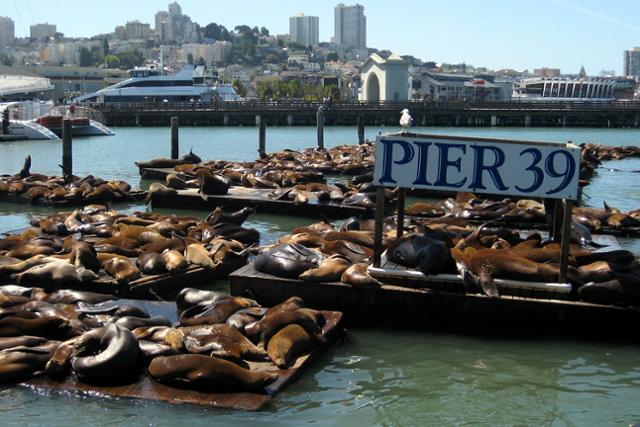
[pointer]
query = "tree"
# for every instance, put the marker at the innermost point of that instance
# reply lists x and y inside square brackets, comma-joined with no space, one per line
[86,59]
[112,61]
[239,88]
[332,56]
[131,58]
[264,31]
[6,59]
[201,61]
[216,32]
[105,47]
[189,58]
[97,56]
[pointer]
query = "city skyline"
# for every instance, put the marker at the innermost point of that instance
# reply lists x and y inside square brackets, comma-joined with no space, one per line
[563,34]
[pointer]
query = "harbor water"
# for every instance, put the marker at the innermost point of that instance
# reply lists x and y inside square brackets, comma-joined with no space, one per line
[377,376]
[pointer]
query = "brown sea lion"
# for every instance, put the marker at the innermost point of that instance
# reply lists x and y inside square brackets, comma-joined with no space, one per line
[217,312]
[160,190]
[174,261]
[19,363]
[224,342]
[173,181]
[133,322]
[46,326]
[25,340]
[263,329]
[70,296]
[207,373]
[151,263]
[122,270]
[357,275]
[364,238]
[241,318]
[83,255]
[330,270]
[352,251]
[53,274]
[212,184]
[197,254]
[289,343]
[189,297]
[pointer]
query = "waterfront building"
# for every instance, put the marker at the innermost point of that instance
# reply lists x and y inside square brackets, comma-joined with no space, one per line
[350,27]
[42,31]
[304,30]
[384,79]
[197,51]
[7,32]
[120,32]
[632,62]
[435,86]
[561,88]
[546,72]
[136,30]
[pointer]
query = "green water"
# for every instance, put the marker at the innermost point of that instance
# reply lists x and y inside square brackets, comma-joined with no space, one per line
[378,377]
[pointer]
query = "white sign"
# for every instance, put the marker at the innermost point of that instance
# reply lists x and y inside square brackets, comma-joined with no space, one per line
[519,168]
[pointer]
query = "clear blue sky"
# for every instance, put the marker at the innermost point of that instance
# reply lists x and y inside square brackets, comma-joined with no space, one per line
[492,33]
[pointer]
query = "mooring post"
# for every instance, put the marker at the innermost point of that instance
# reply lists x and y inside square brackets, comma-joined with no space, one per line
[401,201]
[361,129]
[174,137]
[566,240]
[262,136]
[320,124]
[379,218]
[5,121]
[67,151]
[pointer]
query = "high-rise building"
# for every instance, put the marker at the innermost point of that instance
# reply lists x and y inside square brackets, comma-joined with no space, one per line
[221,51]
[162,23]
[304,30]
[42,31]
[632,62]
[180,28]
[350,27]
[7,32]
[136,30]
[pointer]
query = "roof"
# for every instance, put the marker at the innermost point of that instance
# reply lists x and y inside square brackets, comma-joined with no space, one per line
[12,84]
[391,59]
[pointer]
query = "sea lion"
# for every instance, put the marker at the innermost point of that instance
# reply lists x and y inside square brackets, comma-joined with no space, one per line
[151,263]
[133,322]
[425,209]
[263,329]
[287,260]
[47,326]
[173,181]
[330,270]
[238,217]
[160,163]
[83,255]
[189,297]
[69,296]
[160,190]
[25,340]
[105,353]
[197,254]
[357,275]
[174,261]
[191,157]
[352,251]
[19,363]
[150,350]
[289,343]
[431,256]
[608,292]
[207,373]
[363,238]
[224,342]
[241,318]
[115,308]
[212,184]
[121,270]
[54,274]
[216,312]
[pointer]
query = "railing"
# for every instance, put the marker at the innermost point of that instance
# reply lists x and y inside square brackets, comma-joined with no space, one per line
[254,106]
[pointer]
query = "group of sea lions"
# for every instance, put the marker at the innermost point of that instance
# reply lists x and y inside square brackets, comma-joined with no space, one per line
[102,340]
[34,187]
[88,243]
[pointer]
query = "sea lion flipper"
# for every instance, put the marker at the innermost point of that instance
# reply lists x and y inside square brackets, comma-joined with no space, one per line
[487,284]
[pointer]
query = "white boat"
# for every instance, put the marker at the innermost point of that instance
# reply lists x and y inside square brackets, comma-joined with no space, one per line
[83,122]
[150,84]
[18,120]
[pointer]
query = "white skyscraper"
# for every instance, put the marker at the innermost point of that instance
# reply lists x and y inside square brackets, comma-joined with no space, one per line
[304,30]
[7,32]
[351,27]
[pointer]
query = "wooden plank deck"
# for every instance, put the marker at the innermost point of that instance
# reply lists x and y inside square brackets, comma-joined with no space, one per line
[239,197]
[393,305]
[149,389]
[136,196]
[155,173]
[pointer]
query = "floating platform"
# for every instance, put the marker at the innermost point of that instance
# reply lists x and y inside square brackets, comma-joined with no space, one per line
[155,173]
[136,196]
[397,305]
[257,198]
[148,389]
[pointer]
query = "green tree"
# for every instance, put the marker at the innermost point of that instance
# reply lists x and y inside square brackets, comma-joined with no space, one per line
[86,59]
[239,88]
[264,31]
[6,59]
[131,58]
[332,56]
[201,61]
[189,58]
[105,47]
[112,61]
[97,56]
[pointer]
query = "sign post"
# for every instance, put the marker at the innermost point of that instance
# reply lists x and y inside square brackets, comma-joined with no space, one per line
[480,165]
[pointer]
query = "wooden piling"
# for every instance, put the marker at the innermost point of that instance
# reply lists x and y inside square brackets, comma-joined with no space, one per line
[361,139]
[262,136]
[379,218]
[566,240]
[67,151]
[174,137]
[400,219]
[320,124]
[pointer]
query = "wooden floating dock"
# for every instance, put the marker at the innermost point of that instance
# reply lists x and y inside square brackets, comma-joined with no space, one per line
[394,305]
[155,173]
[149,389]
[257,198]
[136,196]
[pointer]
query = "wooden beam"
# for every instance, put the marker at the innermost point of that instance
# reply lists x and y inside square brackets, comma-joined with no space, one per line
[566,240]
[400,219]
[379,218]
